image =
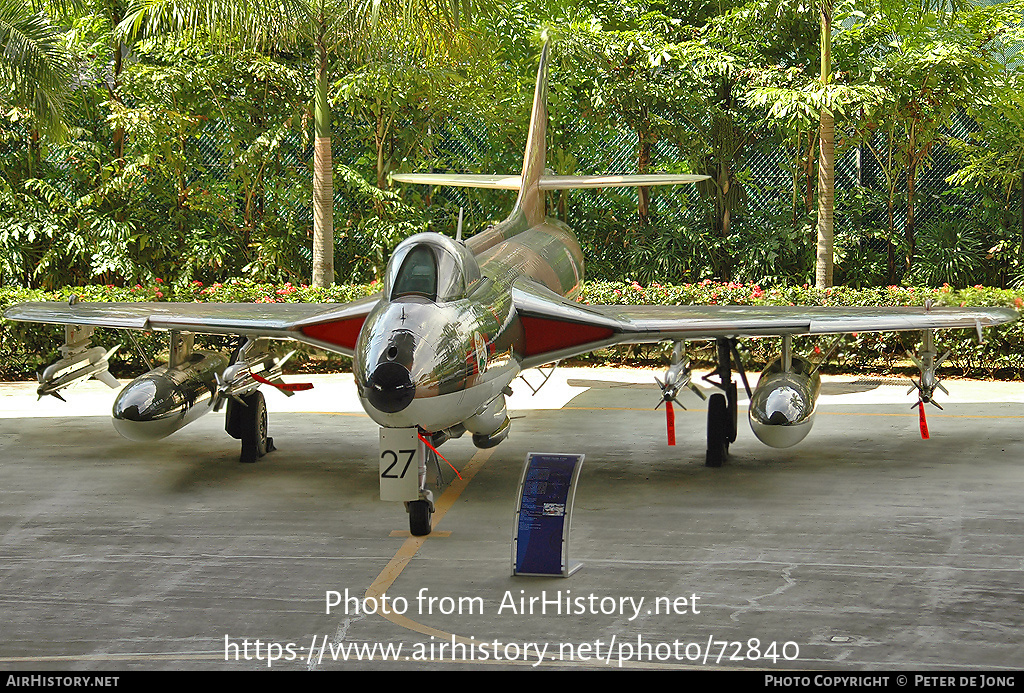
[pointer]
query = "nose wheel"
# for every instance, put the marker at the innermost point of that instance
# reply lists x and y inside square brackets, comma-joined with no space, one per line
[420,513]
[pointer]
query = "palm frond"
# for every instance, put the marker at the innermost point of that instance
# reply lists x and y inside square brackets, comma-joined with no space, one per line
[35,65]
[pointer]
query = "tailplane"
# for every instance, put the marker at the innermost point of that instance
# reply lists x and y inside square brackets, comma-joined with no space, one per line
[533,181]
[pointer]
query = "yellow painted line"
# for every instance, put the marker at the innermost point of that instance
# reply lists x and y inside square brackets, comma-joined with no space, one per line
[412,545]
[380,585]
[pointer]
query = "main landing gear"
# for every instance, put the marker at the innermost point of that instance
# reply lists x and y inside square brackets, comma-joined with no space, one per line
[722,406]
[246,420]
[252,363]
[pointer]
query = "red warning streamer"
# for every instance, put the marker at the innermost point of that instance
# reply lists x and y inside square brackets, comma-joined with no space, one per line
[290,387]
[923,421]
[670,422]
[427,443]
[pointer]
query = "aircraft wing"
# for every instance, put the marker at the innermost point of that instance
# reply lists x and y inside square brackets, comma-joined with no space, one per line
[326,325]
[556,328]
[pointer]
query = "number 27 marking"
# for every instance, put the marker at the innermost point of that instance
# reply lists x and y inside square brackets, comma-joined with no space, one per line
[394,461]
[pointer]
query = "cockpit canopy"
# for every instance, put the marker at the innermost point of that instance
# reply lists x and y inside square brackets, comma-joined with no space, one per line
[432,266]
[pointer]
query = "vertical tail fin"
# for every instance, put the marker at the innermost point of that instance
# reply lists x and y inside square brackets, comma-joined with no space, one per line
[531,197]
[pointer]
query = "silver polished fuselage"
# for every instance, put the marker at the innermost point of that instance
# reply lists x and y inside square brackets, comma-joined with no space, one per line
[462,355]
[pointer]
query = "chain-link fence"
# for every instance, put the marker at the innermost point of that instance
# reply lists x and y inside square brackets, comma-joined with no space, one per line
[766,170]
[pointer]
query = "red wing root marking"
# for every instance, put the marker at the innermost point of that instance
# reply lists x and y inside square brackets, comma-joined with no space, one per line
[545,335]
[343,333]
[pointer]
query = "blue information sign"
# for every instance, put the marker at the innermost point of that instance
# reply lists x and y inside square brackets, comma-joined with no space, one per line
[541,542]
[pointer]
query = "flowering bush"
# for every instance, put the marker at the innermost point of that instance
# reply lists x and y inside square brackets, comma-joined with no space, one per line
[24,348]
[1002,352]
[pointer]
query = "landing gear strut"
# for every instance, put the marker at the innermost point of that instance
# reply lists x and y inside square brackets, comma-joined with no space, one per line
[420,511]
[723,406]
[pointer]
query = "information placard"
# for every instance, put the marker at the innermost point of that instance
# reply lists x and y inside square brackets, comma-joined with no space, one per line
[540,545]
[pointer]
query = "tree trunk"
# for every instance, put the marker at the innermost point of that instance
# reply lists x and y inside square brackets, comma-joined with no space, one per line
[643,166]
[323,183]
[725,218]
[910,233]
[808,172]
[115,93]
[826,201]
[1020,246]
[890,248]
[826,162]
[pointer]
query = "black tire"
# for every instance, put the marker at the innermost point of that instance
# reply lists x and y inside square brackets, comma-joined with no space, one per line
[718,430]
[233,414]
[419,518]
[251,421]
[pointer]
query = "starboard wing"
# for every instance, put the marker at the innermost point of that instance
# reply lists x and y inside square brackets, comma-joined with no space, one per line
[557,328]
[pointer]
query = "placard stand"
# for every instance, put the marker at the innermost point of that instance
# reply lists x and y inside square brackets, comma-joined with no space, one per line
[540,540]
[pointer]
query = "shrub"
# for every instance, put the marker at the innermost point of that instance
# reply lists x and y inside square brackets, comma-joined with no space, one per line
[26,347]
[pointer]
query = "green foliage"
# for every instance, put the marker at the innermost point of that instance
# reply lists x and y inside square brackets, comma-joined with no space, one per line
[950,252]
[1001,352]
[34,67]
[189,162]
[27,347]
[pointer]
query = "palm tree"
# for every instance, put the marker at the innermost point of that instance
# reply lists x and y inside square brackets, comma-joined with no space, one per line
[826,160]
[35,65]
[331,28]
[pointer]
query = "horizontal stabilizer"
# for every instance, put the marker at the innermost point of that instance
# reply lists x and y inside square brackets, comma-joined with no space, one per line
[472,180]
[461,180]
[616,181]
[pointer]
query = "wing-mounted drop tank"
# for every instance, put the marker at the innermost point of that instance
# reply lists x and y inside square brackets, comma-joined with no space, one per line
[157,404]
[783,403]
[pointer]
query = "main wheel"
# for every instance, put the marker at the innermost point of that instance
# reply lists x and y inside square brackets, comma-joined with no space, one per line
[718,430]
[249,422]
[233,418]
[419,518]
[733,417]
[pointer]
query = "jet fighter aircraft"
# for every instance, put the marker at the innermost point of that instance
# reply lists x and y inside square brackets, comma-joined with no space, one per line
[435,353]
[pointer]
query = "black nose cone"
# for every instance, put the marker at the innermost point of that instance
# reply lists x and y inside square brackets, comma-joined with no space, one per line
[390,388]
